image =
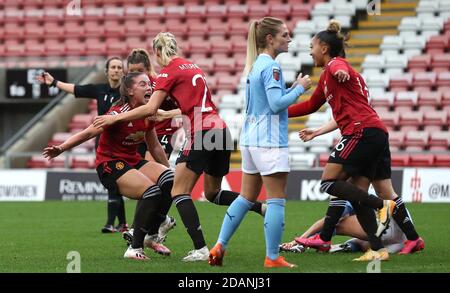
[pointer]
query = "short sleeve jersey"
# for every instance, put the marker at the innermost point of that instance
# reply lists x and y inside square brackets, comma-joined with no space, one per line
[348,100]
[262,127]
[103,93]
[120,141]
[185,82]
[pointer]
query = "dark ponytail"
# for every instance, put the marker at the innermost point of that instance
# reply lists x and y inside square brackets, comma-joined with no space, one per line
[334,38]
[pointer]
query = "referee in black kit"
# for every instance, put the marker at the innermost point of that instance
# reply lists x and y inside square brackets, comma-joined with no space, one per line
[105,94]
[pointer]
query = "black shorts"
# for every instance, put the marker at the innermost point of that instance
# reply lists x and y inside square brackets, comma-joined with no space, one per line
[108,172]
[165,141]
[210,152]
[365,153]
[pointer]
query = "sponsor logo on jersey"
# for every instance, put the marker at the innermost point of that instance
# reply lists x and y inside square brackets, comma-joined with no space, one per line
[119,165]
[276,74]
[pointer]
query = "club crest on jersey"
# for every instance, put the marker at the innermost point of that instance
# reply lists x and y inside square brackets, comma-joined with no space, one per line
[276,74]
[119,165]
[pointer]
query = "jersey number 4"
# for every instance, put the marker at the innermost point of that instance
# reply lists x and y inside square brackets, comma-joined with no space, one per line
[194,83]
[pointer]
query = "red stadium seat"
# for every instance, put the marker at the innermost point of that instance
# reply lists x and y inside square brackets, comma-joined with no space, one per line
[279,10]
[441,62]
[441,139]
[428,98]
[442,160]
[396,139]
[206,64]
[224,65]
[401,83]
[443,79]
[390,119]
[236,12]
[424,79]
[421,160]
[416,139]
[411,119]
[217,27]
[438,118]
[38,162]
[224,47]
[195,12]
[399,160]
[113,28]
[216,11]
[419,63]
[407,99]
[80,121]
[83,162]
[258,11]
[436,45]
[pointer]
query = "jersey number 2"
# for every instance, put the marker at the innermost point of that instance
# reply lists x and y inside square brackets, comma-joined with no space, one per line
[194,83]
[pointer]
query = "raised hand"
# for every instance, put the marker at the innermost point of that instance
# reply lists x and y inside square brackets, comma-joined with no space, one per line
[52,151]
[306,134]
[103,120]
[45,77]
[342,75]
[305,81]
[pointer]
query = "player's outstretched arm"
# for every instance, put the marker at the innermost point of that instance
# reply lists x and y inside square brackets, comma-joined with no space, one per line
[308,134]
[53,151]
[48,79]
[146,110]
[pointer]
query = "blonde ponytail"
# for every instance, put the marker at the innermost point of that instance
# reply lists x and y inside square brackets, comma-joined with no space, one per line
[252,50]
[256,39]
[166,44]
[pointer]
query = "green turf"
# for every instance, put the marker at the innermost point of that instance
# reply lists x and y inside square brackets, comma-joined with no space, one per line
[36,237]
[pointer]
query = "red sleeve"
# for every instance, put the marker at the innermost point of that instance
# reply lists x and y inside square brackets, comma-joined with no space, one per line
[310,106]
[336,65]
[165,81]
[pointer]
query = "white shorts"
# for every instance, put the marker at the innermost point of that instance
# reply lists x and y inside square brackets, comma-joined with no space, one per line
[264,161]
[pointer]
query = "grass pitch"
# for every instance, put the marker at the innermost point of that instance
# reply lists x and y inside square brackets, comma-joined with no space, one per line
[37,237]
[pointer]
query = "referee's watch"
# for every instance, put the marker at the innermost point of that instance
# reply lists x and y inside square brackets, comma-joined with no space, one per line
[54,82]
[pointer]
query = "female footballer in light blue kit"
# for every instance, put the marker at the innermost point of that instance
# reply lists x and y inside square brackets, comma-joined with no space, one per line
[264,138]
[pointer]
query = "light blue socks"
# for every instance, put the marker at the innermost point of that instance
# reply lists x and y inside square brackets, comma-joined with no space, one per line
[274,226]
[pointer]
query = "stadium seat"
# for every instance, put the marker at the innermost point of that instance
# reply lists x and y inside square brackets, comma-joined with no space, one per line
[411,119]
[424,79]
[438,118]
[443,79]
[83,161]
[419,63]
[396,139]
[442,160]
[440,139]
[429,98]
[390,119]
[416,139]
[421,160]
[401,83]
[406,99]
[38,162]
[399,159]
[80,121]
[440,62]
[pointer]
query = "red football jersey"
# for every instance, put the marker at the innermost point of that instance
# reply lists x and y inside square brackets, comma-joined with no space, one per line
[120,141]
[164,127]
[349,100]
[185,82]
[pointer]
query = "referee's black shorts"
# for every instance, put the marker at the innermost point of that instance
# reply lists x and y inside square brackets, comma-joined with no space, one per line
[364,153]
